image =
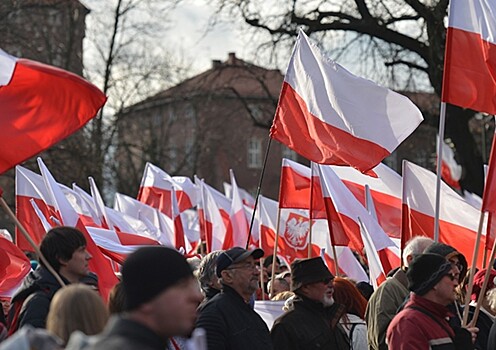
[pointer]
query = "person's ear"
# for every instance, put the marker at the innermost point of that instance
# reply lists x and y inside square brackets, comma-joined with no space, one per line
[227,275]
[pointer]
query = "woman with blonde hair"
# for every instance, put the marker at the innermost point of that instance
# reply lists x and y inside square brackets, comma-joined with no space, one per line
[76,307]
[348,295]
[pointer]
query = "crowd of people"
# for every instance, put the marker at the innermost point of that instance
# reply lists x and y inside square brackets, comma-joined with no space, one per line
[166,301]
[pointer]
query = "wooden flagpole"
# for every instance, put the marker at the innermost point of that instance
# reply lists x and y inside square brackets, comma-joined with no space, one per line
[310,214]
[30,241]
[274,254]
[442,122]
[472,269]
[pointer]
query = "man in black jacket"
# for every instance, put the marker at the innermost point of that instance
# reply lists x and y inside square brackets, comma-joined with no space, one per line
[65,250]
[228,318]
[313,321]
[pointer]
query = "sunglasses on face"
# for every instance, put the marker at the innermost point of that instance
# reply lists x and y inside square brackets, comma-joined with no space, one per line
[452,276]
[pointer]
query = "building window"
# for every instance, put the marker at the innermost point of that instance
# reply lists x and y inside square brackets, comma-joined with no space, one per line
[289,154]
[254,153]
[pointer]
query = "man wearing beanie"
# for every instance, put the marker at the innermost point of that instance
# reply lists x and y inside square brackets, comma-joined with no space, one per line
[161,297]
[313,322]
[422,324]
[385,300]
[228,318]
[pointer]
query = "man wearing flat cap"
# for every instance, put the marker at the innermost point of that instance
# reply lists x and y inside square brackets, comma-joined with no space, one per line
[161,298]
[228,318]
[422,324]
[313,322]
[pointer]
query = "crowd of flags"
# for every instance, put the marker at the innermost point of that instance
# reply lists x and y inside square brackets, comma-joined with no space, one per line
[347,204]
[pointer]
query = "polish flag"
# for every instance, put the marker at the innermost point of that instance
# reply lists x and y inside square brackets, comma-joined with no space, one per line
[451,171]
[294,227]
[69,217]
[385,190]
[34,117]
[247,198]
[376,271]
[215,213]
[295,189]
[14,265]
[156,186]
[179,241]
[330,116]
[30,186]
[344,209]
[469,79]
[458,220]
[238,222]
[84,205]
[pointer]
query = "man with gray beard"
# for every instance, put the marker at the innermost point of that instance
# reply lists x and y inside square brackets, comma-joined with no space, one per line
[313,321]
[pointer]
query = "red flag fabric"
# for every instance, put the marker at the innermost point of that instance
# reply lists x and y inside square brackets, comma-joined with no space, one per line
[295,188]
[14,265]
[330,116]
[470,61]
[41,105]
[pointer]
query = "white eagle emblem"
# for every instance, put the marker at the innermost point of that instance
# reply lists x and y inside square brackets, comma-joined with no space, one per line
[296,231]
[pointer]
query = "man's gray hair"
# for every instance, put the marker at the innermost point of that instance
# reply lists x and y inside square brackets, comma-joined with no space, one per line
[206,269]
[415,246]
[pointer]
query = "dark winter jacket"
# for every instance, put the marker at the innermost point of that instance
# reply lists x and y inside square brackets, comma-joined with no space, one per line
[31,303]
[309,325]
[231,323]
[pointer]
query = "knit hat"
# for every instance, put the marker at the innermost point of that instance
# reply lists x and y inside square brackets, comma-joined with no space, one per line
[448,252]
[306,271]
[235,255]
[425,271]
[479,281]
[149,271]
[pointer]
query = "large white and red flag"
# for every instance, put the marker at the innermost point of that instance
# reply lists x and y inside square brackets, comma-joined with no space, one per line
[247,198]
[385,189]
[458,220]
[69,217]
[294,228]
[343,210]
[40,106]
[469,79]
[331,116]
[156,186]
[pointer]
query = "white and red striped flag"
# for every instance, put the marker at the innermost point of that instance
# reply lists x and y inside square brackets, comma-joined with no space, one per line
[69,217]
[330,116]
[385,190]
[469,79]
[239,224]
[458,220]
[451,171]
[294,228]
[34,117]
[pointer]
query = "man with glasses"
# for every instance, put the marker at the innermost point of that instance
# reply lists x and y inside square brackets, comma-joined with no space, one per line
[422,324]
[313,321]
[228,318]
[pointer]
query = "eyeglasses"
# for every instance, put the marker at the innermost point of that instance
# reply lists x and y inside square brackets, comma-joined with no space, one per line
[458,265]
[452,276]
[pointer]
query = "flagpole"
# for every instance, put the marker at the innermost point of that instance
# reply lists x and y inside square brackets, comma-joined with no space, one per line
[472,269]
[274,254]
[30,241]
[483,289]
[442,122]
[258,191]
[310,216]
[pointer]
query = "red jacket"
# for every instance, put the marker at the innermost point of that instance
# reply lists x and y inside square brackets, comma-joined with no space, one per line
[412,329]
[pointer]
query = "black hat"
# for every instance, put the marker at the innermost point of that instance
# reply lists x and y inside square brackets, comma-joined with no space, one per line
[448,252]
[425,271]
[149,271]
[306,271]
[235,255]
